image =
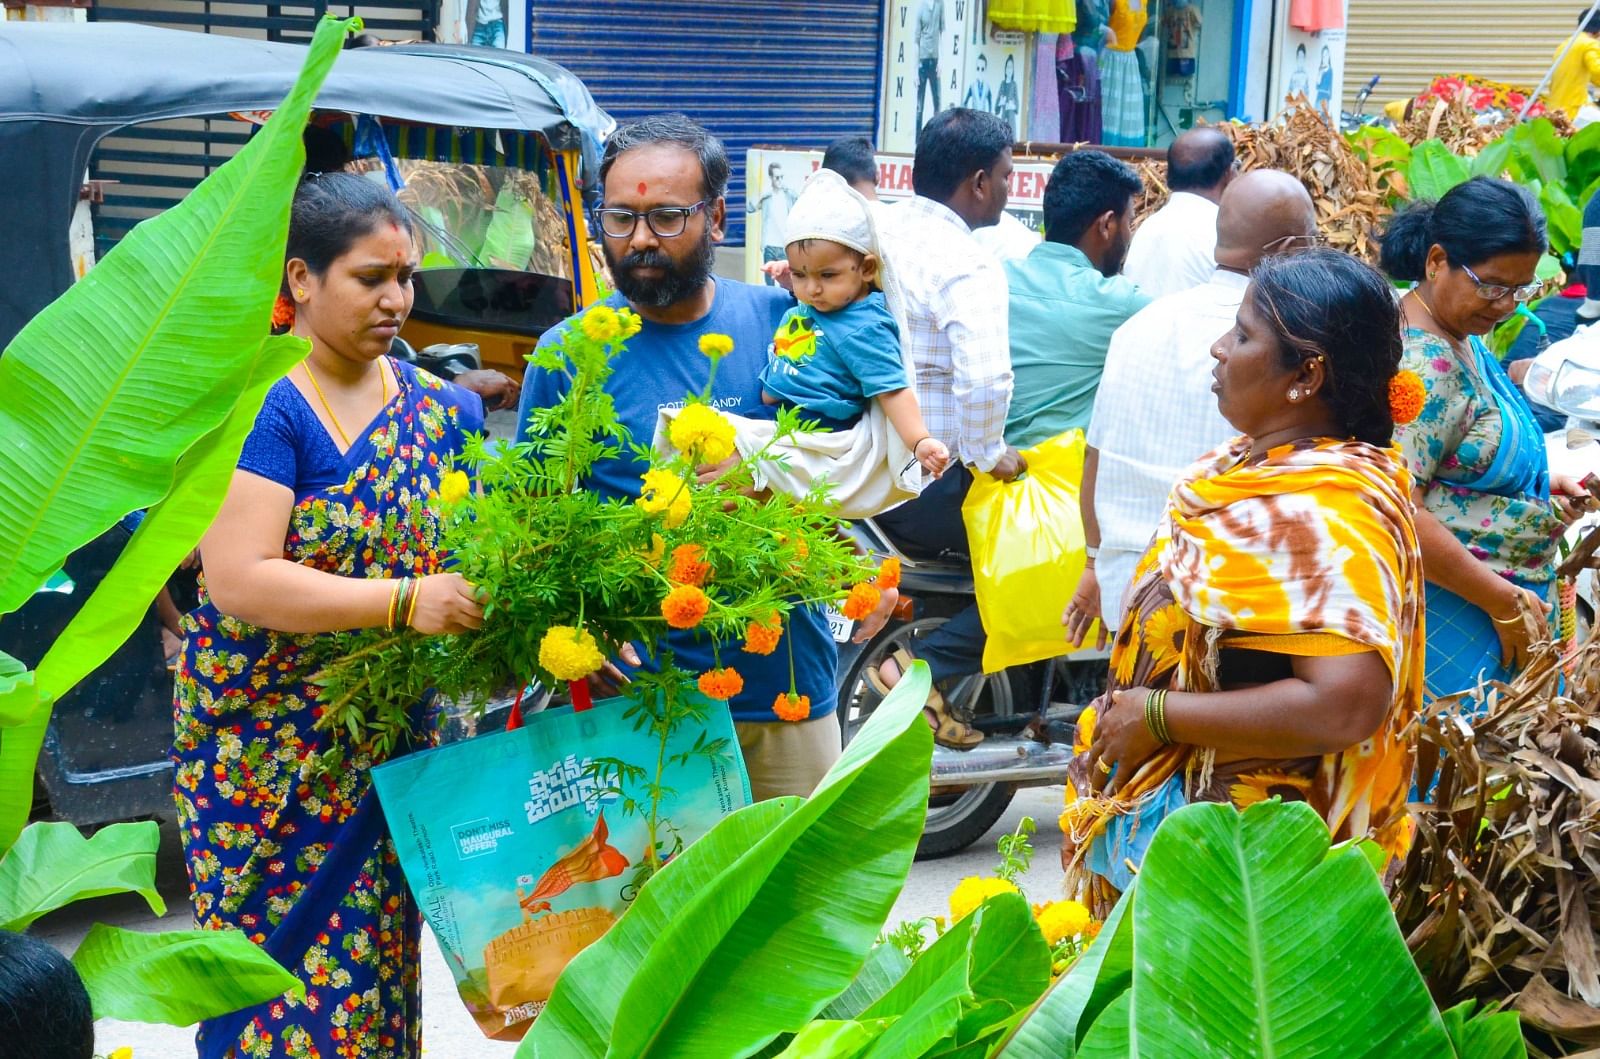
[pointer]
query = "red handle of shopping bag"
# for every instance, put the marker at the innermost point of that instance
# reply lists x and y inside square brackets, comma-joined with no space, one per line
[581,700]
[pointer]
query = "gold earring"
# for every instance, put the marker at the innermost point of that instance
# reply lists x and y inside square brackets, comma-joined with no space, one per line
[299,292]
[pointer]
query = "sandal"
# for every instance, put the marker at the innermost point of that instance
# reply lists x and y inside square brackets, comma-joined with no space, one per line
[948,730]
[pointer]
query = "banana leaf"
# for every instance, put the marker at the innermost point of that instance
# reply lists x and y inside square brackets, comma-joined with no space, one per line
[1564,219]
[1583,159]
[510,240]
[1541,149]
[831,1039]
[1111,1036]
[133,390]
[52,865]
[176,978]
[1434,170]
[1058,1023]
[755,927]
[1250,938]
[996,954]
[885,966]
[17,692]
[1493,160]
[1488,1034]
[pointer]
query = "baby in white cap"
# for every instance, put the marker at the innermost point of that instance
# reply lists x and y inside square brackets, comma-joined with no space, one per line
[840,347]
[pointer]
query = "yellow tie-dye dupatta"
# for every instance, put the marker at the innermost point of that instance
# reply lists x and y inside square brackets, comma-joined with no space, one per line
[1311,550]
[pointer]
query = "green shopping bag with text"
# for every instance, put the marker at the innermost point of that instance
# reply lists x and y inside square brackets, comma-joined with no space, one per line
[520,857]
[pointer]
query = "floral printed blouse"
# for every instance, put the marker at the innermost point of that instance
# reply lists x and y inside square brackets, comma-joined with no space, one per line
[1455,440]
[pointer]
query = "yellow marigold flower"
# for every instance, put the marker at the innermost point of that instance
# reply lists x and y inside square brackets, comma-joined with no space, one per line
[454,487]
[888,574]
[791,707]
[716,345]
[1407,392]
[974,891]
[688,565]
[121,1053]
[685,607]
[665,492]
[1060,920]
[721,684]
[569,653]
[701,429]
[762,637]
[601,324]
[653,554]
[630,322]
[862,600]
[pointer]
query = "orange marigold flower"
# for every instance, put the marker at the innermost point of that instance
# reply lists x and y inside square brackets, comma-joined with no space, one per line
[1406,396]
[721,684]
[888,574]
[862,600]
[688,565]
[791,707]
[282,312]
[685,607]
[761,637]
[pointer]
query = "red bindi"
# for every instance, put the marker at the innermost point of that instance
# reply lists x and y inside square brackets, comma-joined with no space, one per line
[643,187]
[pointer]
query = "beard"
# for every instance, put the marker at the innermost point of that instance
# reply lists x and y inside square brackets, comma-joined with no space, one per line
[1117,257]
[679,279]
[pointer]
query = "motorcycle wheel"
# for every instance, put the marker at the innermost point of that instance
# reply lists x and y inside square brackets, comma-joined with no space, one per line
[957,816]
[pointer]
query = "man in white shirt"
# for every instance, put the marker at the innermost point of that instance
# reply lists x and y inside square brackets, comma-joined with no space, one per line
[1155,413]
[1172,249]
[958,337]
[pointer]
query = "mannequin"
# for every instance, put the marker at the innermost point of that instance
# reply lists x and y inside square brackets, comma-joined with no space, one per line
[1078,73]
[1123,114]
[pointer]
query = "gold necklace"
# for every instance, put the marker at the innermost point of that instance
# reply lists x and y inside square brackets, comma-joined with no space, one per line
[383,380]
[1417,291]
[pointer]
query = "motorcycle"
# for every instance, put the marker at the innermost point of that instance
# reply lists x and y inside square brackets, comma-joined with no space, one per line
[1565,376]
[1027,713]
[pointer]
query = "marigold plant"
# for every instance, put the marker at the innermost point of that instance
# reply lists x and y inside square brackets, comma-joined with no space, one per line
[791,707]
[862,601]
[722,683]
[761,637]
[689,566]
[685,606]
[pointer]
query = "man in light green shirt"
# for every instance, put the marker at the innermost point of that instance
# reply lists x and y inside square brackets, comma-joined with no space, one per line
[1067,297]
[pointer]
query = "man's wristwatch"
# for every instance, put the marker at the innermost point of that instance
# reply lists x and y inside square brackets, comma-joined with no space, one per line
[1092,551]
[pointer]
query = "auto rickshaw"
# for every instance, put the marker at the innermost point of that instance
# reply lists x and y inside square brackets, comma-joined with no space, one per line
[494,152]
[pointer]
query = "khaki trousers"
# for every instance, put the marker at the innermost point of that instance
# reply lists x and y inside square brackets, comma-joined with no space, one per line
[788,758]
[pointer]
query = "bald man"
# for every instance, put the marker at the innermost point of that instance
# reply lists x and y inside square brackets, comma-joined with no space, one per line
[1172,249]
[1155,413]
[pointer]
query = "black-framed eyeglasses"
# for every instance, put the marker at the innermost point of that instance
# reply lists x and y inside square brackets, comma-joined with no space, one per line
[666,221]
[1493,292]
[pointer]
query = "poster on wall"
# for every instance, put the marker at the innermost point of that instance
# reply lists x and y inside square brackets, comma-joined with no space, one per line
[776,177]
[1308,56]
[945,53]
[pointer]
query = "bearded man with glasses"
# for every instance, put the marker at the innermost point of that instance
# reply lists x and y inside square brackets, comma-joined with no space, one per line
[663,180]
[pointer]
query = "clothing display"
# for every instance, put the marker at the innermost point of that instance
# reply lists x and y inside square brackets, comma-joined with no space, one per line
[1314,16]
[1122,85]
[1078,92]
[1181,26]
[1035,16]
[1044,116]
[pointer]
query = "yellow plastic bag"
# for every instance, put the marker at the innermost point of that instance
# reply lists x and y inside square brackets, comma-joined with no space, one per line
[1026,539]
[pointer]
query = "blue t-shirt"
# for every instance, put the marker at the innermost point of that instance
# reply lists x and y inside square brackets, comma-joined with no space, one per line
[659,368]
[834,363]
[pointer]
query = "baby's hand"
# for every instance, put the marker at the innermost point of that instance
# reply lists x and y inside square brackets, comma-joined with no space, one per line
[933,455]
[778,271]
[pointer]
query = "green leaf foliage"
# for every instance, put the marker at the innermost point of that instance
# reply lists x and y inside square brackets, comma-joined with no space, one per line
[1434,170]
[1486,1034]
[1493,160]
[828,1039]
[1583,159]
[1565,220]
[164,345]
[1111,1036]
[994,960]
[510,240]
[1541,150]
[745,935]
[1056,1026]
[52,865]
[18,695]
[885,966]
[176,978]
[1278,921]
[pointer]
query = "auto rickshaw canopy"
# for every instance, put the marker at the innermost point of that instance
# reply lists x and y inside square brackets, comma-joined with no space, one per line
[65,86]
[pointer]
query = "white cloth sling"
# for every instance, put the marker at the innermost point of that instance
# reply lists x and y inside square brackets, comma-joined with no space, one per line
[867,469]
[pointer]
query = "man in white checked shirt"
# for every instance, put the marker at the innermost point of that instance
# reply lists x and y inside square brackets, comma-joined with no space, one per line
[956,315]
[1154,413]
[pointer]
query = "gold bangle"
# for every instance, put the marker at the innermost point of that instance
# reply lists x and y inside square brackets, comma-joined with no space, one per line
[1509,621]
[411,611]
[394,602]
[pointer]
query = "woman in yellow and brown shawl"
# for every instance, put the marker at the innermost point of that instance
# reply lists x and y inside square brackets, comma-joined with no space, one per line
[1279,605]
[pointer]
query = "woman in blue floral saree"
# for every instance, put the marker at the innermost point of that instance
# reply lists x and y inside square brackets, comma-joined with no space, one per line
[329,525]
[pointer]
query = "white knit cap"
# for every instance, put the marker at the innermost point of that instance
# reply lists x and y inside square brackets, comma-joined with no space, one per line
[829,208]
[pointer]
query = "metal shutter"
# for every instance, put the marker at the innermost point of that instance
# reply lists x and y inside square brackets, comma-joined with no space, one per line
[798,73]
[1410,42]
